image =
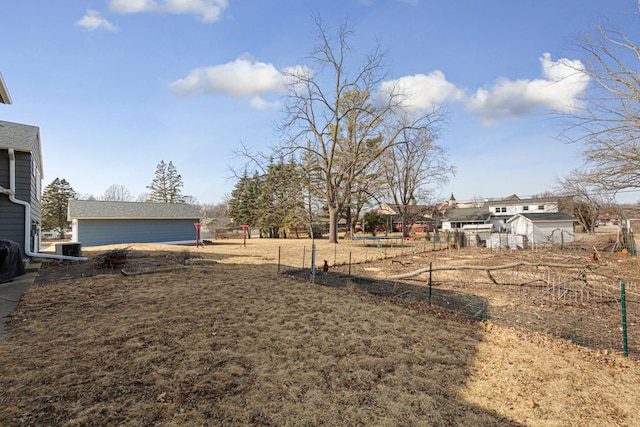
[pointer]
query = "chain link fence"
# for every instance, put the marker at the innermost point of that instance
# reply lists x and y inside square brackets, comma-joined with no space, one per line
[561,299]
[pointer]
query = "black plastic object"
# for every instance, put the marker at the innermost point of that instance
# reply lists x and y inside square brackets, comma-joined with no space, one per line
[11,264]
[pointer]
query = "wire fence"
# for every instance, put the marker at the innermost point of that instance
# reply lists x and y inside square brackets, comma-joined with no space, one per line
[548,293]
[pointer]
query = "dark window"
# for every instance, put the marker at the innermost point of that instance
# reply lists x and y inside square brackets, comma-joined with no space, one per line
[525,208]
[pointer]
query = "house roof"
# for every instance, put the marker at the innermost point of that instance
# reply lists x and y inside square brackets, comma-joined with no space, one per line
[412,210]
[629,212]
[545,217]
[467,214]
[21,137]
[5,98]
[513,200]
[97,209]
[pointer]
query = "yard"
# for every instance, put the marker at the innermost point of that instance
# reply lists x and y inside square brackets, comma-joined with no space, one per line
[216,336]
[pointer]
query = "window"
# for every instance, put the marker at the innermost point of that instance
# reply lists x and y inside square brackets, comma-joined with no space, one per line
[525,208]
[35,173]
[540,207]
[504,209]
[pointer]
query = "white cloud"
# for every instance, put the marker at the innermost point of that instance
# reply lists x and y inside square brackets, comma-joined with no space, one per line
[559,90]
[93,20]
[241,78]
[207,10]
[423,91]
[259,103]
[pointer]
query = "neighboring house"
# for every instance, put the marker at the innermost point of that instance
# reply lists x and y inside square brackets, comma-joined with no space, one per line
[96,223]
[414,214]
[551,227]
[456,218]
[505,209]
[20,184]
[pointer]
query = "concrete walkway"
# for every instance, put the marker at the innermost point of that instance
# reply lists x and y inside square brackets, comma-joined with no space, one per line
[11,292]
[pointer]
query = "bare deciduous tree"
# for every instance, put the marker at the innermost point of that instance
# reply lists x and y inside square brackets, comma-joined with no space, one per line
[609,123]
[117,193]
[415,167]
[583,197]
[332,115]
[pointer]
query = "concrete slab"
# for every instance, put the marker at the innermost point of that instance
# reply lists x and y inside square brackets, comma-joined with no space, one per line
[10,294]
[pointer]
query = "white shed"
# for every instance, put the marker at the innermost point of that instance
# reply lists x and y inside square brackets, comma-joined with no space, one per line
[553,227]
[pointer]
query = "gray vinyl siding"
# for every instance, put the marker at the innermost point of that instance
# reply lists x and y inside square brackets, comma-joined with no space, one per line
[11,214]
[97,232]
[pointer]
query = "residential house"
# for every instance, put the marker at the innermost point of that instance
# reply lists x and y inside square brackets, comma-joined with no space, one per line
[415,213]
[20,183]
[96,223]
[504,209]
[456,218]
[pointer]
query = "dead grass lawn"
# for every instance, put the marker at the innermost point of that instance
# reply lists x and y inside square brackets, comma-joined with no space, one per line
[234,343]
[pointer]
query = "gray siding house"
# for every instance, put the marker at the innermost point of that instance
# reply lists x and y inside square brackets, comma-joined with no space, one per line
[96,223]
[20,185]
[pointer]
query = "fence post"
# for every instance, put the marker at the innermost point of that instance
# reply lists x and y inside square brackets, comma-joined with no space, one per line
[313,263]
[430,268]
[304,253]
[623,304]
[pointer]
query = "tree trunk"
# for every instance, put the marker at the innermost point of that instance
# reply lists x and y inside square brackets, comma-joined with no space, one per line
[405,229]
[333,224]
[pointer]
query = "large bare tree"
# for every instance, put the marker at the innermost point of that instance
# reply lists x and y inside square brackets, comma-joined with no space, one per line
[415,168]
[609,123]
[583,198]
[333,114]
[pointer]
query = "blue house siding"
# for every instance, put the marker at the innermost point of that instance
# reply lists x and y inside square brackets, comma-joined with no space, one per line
[97,232]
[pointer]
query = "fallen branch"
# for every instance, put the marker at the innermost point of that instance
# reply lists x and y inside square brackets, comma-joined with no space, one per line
[401,294]
[485,268]
[157,270]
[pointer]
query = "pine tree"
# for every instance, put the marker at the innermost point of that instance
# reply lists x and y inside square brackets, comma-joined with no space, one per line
[55,203]
[281,198]
[243,201]
[166,186]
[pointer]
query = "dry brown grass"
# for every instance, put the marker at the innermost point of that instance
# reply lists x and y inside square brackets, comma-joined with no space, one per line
[236,344]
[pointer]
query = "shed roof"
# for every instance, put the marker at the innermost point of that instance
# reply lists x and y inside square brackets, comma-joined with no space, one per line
[545,217]
[97,209]
[21,137]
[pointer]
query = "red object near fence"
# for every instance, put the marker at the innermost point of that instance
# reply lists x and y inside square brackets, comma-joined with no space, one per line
[245,227]
[197,226]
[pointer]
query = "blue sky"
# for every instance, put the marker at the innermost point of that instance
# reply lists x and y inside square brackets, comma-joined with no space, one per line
[116,86]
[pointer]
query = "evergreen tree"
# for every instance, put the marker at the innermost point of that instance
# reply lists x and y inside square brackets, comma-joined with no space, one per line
[55,203]
[166,186]
[243,201]
[281,199]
